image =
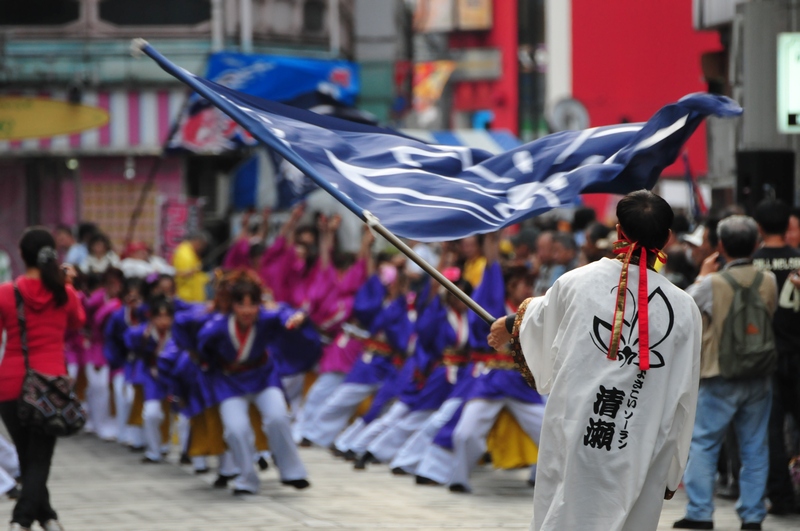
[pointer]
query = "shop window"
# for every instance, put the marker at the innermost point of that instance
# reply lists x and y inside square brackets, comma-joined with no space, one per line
[38,12]
[280,17]
[314,16]
[155,12]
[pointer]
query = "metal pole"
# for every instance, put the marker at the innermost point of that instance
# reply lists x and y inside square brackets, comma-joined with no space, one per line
[375,224]
[217,32]
[334,28]
[246,25]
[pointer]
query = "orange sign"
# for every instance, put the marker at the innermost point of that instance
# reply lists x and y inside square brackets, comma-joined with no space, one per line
[22,117]
[430,79]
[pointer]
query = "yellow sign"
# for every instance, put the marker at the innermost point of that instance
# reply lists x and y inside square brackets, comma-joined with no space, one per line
[22,118]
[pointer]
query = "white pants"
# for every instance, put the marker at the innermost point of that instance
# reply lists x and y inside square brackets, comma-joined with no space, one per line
[293,387]
[9,465]
[336,412]
[317,395]
[184,428]
[386,445]
[226,465]
[377,427]
[6,482]
[98,396]
[437,464]
[122,405]
[9,461]
[345,439]
[241,440]
[478,417]
[72,371]
[152,417]
[413,451]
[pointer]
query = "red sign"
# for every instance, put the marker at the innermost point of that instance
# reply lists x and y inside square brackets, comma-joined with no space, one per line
[178,219]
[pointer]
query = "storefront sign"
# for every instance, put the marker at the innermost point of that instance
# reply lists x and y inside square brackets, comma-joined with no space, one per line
[178,219]
[789,83]
[22,118]
[475,64]
[474,15]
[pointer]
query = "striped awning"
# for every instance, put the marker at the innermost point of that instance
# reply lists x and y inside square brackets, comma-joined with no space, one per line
[139,122]
[492,141]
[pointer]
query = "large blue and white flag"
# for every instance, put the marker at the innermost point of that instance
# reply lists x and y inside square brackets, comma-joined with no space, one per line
[433,192]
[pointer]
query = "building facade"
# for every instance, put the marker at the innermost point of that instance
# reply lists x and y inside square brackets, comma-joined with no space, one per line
[83,123]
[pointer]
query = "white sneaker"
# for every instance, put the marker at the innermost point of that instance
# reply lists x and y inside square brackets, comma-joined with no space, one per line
[53,525]
[17,527]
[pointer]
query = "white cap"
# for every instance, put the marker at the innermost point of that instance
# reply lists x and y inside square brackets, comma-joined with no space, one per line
[695,238]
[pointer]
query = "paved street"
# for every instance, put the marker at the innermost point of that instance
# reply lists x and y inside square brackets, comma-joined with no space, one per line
[101,486]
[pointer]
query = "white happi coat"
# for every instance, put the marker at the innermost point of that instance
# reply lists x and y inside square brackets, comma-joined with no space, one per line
[614,438]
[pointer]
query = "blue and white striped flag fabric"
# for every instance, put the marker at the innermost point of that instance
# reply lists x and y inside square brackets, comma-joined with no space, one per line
[432,192]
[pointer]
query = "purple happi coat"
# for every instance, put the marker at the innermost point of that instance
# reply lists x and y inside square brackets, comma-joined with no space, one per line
[238,369]
[482,382]
[115,351]
[188,379]
[294,351]
[439,328]
[143,341]
[387,322]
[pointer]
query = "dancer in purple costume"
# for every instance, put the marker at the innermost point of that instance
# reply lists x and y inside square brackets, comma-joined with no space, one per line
[442,329]
[235,347]
[147,341]
[121,363]
[497,383]
[380,305]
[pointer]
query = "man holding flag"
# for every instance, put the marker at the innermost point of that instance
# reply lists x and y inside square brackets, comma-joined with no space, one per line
[625,394]
[617,348]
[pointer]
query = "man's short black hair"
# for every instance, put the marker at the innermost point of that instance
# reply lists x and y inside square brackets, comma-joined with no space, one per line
[772,215]
[645,218]
[738,236]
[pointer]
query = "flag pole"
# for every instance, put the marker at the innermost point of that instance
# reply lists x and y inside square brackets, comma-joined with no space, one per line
[141,46]
[375,224]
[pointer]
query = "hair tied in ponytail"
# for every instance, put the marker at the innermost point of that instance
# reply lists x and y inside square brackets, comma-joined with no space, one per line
[46,255]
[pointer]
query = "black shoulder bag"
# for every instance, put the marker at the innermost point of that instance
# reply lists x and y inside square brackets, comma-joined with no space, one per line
[47,402]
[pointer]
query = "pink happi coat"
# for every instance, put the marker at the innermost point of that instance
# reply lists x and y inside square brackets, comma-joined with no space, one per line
[331,305]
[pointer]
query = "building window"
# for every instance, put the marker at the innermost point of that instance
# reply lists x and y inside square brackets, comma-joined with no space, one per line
[314,16]
[155,12]
[38,12]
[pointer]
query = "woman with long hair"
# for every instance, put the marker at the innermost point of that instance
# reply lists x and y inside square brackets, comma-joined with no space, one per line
[51,307]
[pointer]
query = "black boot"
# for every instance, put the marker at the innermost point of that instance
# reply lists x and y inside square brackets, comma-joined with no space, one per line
[222,481]
[364,460]
[692,524]
[299,484]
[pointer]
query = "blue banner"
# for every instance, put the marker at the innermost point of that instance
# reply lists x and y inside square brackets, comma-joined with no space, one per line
[281,78]
[204,129]
[432,192]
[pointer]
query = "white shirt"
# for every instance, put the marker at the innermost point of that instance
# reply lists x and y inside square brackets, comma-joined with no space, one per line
[614,438]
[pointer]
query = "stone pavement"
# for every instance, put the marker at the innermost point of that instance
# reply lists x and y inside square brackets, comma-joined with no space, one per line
[101,486]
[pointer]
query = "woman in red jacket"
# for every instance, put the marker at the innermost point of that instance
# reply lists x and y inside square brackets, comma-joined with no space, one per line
[51,308]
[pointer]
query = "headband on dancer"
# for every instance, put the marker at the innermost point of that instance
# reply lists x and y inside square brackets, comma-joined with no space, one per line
[626,248]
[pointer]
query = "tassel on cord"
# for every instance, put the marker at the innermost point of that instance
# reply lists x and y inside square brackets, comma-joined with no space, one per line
[628,249]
